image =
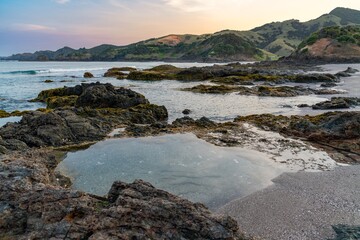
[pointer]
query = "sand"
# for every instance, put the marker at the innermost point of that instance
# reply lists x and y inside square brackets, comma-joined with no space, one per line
[302,205]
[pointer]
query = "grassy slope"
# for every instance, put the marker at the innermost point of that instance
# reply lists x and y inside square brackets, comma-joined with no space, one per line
[265,42]
[282,38]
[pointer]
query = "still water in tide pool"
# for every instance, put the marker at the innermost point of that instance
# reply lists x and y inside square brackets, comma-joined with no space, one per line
[181,164]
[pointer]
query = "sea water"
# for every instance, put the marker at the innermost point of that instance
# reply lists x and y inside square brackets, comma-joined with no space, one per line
[22,81]
[181,164]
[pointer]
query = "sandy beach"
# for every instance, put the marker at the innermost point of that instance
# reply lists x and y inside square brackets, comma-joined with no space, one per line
[303,205]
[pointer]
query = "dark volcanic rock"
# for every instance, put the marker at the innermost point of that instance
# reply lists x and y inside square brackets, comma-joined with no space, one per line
[106,96]
[337,103]
[99,108]
[34,206]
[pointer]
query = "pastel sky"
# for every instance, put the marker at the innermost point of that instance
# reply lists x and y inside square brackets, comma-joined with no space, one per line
[30,25]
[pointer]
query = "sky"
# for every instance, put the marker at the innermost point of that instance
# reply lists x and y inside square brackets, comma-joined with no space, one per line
[30,25]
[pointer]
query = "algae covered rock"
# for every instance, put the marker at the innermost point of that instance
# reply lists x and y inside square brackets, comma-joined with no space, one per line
[118,73]
[82,113]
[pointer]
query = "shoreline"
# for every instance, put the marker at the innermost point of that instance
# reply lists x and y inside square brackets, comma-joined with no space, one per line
[302,205]
[86,113]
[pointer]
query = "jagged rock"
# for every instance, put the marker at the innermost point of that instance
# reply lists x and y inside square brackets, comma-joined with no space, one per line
[106,96]
[34,206]
[48,81]
[99,108]
[88,75]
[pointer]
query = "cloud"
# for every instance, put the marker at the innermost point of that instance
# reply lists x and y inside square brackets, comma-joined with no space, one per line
[205,5]
[32,27]
[62,1]
[192,5]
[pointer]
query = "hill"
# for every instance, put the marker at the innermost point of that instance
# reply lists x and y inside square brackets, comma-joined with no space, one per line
[269,41]
[331,44]
[282,38]
[226,46]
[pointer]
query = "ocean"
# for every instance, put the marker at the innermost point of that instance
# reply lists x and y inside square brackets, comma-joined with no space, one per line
[22,81]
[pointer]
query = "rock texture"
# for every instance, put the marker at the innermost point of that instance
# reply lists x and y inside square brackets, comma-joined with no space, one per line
[333,131]
[98,109]
[34,206]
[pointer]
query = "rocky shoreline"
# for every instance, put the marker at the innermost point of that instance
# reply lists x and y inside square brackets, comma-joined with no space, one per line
[36,201]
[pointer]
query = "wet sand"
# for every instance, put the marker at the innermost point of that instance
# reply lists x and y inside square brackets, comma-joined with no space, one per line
[301,205]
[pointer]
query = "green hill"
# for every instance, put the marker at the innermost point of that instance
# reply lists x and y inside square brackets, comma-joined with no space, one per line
[265,42]
[334,44]
[282,38]
[225,46]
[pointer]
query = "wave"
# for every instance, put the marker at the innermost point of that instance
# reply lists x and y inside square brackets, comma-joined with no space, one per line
[58,70]
[26,72]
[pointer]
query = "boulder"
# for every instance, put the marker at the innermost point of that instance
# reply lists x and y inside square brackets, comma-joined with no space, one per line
[106,96]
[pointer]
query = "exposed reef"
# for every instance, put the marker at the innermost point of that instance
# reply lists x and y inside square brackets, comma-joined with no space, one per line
[263,91]
[336,132]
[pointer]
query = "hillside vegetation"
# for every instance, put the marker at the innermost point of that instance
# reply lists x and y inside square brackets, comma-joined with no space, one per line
[269,41]
[337,43]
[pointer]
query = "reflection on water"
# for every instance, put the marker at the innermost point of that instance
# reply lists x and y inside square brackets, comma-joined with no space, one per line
[17,89]
[180,163]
